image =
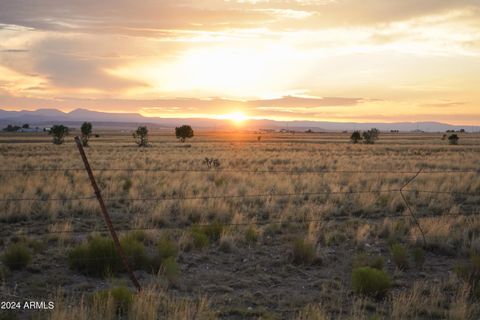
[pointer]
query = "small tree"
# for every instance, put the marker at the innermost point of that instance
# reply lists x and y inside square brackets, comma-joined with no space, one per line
[453,139]
[26,126]
[59,132]
[370,136]
[356,137]
[141,136]
[184,132]
[86,133]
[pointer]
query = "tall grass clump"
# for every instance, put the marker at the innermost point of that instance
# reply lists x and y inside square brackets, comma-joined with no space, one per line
[121,297]
[96,257]
[165,258]
[134,249]
[303,252]
[17,256]
[370,281]
[399,256]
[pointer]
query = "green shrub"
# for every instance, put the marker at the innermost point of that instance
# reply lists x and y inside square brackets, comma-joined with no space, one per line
[122,298]
[97,257]
[213,231]
[399,256]
[170,269]
[364,260]
[303,252]
[251,235]
[166,248]
[370,281]
[17,256]
[199,239]
[418,256]
[135,251]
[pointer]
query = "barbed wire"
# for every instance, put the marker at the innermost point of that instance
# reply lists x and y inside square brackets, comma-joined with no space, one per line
[239,196]
[293,172]
[252,223]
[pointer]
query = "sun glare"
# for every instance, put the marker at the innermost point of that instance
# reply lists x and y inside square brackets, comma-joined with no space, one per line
[237,117]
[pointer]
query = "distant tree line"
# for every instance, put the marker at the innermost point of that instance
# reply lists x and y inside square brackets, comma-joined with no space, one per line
[368,137]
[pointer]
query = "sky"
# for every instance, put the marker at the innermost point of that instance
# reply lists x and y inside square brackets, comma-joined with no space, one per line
[330,60]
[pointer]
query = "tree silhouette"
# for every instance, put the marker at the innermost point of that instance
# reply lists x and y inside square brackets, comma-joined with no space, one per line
[453,139]
[59,132]
[370,136]
[184,132]
[141,136]
[86,133]
[356,137]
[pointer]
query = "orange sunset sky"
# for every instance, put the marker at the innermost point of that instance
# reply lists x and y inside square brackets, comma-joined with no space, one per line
[334,60]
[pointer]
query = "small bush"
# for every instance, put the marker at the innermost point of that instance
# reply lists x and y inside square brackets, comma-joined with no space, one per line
[170,269]
[303,252]
[135,251]
[166,248]
[97,257]
[399,256]
[213,231]
[370,281]
[251,235]
[122,298]
[418,256]
[17,256]
[199,239]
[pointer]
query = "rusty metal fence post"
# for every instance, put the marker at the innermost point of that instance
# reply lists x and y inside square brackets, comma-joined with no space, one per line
[106,216]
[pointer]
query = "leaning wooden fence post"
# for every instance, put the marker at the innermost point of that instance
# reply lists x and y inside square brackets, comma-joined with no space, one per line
[106,216]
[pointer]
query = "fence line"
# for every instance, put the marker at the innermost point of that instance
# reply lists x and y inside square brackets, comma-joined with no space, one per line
[293,172]
[240,196]
[253,223]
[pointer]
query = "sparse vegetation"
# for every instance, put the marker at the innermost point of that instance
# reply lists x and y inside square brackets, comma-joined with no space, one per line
[121,297]
[96,257]
[141,136]
[86,130]
[303,252]
[418,255]
[356,137]
[59,132]
[453,139]
[242,257]
[17,256]
[399,256]
[370,281]
[370,136]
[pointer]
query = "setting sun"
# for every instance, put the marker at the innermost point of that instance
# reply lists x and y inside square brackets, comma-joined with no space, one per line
[236,117]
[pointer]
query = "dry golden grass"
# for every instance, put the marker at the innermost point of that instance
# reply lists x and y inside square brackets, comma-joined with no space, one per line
[347,223]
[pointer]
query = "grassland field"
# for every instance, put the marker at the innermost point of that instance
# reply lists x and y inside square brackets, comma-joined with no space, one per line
[275,232]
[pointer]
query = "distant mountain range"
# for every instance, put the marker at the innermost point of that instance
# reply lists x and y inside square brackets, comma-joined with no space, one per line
[47,117]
